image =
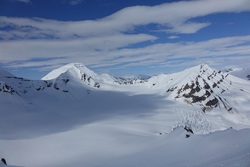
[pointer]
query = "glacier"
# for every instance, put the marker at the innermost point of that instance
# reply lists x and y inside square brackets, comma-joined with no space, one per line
[75,117]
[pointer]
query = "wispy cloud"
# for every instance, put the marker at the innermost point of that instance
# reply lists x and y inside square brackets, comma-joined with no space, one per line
[22,50]
[86,51]
[74,2]
[106,41]
[173,37]
[167,52]
[174,17]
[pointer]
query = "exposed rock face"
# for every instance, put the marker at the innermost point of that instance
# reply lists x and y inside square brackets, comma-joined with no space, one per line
[131,80]
[3,161]
[6,88]
[206,89]
[21,86]
[201,86]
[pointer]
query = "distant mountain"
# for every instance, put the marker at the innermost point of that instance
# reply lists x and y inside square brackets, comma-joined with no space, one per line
[126,80]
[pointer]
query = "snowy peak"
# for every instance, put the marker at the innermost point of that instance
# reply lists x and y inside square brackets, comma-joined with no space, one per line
[202,70]
[205,89]
[72,70]
[77,72]
[202,86]
[199,86]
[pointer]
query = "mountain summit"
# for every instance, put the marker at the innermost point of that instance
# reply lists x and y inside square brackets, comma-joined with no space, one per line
[77,72]
[74,88]
[203,86]
[72,70]
[200,86]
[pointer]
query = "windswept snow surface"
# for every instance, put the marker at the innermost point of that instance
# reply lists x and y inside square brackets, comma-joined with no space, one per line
[75,117]
[110,144]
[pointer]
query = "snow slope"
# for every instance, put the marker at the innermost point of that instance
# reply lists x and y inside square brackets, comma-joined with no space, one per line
[75,117]
[74,95]
[240,72]
[107,144]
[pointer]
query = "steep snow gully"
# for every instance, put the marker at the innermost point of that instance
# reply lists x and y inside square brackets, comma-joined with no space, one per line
[73,116]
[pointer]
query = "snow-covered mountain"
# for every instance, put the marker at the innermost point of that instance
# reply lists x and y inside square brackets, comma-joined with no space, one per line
[77,72]
[73,112]
[59,81]
[130,80]
[200,85]
[204,87]
[21,86]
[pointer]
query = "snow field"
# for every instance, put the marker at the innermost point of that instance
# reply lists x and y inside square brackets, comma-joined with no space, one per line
[70,121]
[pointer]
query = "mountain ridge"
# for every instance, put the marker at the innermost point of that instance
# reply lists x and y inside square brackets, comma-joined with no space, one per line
[200,85]
[69,100]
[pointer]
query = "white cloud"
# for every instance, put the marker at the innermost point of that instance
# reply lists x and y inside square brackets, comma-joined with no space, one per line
[103,41]
[175,17]
[72,49]
[172,37]
[188,28]
[87,52]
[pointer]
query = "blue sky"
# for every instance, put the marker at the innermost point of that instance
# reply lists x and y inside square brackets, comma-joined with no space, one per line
[123,37]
